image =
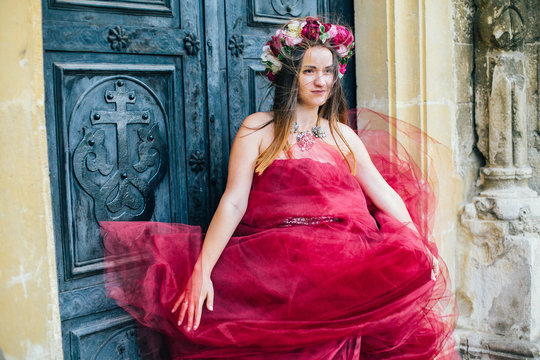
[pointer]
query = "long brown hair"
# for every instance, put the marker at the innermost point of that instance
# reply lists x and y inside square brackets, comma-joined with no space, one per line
[285,100]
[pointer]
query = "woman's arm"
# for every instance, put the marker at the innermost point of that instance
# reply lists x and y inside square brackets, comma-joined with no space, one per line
[231,209]
[375,187]
[233,203]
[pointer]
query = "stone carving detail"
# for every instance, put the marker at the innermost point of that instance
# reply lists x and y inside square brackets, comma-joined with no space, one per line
[236,45]
[502,99]
[501,23]
[288,7]
[128,193]
[192,45]
[118,38]
[524,224]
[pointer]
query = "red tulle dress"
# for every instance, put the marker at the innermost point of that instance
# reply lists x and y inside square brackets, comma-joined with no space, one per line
[313,271]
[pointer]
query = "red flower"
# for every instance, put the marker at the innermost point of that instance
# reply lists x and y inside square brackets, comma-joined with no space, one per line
[271,76]
[275,45]
[312,29]
[327,26]
[343,37]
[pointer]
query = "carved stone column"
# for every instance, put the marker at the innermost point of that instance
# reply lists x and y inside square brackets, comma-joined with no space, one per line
[498,284]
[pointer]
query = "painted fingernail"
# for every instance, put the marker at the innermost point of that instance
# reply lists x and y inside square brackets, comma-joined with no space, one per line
[195,327]
[188,328]
[211,308]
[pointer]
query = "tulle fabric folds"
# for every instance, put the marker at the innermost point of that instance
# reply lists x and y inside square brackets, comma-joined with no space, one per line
[313,271]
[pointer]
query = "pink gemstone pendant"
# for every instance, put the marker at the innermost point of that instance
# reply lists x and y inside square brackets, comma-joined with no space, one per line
[305,140]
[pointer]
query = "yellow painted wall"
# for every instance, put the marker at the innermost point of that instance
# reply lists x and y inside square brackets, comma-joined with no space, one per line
[29,312]
[404,66]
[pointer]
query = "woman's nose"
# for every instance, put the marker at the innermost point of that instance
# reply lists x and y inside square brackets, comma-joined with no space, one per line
[319,79]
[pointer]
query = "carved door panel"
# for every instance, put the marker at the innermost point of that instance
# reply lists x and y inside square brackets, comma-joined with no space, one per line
[128,139]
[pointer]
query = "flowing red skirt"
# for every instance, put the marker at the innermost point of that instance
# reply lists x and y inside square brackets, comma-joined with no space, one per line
[313,271]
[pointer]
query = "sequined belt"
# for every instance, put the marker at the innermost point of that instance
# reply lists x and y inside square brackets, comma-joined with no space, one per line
[309,220]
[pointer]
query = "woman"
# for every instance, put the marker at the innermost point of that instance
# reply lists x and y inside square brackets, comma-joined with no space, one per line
[299,267]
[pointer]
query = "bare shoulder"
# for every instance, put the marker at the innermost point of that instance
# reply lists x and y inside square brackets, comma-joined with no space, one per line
[257,120]
[346,130]
[259,129]
[350,135]
[253,132]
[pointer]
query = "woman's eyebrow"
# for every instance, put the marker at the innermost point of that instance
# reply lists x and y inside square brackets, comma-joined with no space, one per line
[314,67]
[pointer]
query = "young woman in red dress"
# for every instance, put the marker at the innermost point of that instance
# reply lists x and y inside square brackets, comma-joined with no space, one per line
[317,250]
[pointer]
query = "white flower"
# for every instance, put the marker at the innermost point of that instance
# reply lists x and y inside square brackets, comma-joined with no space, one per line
[276,65]
[268,57]
[294,29]
[265,53]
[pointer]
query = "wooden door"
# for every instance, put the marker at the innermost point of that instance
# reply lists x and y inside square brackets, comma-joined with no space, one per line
[128,140]
[143,98]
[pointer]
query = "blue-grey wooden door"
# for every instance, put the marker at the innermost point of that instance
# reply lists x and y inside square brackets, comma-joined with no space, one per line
[143,98]
[128,140]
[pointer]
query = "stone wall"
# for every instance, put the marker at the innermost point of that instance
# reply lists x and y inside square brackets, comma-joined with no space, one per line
[498,276]
[467,158]
[532,52]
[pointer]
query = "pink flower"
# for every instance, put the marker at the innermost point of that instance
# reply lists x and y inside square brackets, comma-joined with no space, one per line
[342,50]
[332,31]
[343,36]
[312,29]
[291,41]
[280,33]
[342,68]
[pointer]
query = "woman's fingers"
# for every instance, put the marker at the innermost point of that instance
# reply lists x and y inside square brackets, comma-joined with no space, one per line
[190,315]
[183,310]
[210,299]
[191,308]
[179,301]
[198,314]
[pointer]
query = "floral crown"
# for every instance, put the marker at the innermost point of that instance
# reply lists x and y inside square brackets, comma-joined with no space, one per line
[310,29]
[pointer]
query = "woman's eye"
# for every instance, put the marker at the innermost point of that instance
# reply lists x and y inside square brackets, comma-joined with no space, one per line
[308,71]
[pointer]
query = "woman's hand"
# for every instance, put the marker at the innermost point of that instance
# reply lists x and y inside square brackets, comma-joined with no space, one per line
[434,261]
[434,267]
[198,289]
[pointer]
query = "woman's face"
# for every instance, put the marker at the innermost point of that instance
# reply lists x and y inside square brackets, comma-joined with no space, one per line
[316,76]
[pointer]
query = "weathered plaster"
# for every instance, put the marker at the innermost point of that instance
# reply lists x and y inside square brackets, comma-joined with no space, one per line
[28,287]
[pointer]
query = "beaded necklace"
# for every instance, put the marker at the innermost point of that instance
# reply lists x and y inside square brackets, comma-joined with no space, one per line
[306,139]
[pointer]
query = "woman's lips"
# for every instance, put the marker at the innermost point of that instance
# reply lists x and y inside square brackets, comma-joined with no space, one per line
[319,92]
